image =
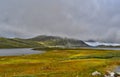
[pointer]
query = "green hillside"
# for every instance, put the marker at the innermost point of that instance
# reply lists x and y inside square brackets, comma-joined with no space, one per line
[17,43]
[40,41]
[58,41]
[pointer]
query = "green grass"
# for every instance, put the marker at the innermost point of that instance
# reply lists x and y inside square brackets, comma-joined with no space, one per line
[18,43]
[60,63]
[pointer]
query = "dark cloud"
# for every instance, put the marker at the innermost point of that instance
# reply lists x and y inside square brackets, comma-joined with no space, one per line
[83,19]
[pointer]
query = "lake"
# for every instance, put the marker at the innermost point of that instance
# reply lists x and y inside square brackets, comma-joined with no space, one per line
[101,48]
[18,51]
[108,48]
[25,51]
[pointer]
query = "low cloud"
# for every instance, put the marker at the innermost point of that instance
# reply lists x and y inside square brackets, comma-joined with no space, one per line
[82,19]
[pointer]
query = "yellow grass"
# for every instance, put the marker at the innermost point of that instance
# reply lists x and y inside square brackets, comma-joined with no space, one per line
[60,63]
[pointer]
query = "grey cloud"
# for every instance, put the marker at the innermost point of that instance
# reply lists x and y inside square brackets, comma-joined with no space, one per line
[82,19]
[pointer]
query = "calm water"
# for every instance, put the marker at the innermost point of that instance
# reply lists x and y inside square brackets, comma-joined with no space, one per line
[104,48]
[109,48]
[25,51]
[14,52]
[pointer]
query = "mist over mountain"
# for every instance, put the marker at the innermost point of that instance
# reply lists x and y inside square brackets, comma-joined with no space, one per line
[59,41]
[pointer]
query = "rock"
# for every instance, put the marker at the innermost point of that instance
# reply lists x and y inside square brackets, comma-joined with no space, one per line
[96,73]
[117,75]
[109,74]
[117,71]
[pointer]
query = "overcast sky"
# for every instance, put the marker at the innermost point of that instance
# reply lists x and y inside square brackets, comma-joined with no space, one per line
[81,19]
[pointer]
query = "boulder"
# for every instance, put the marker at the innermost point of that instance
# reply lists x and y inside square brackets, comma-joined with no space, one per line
[96,73]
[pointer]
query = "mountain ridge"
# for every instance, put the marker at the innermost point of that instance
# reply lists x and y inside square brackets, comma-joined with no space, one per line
[59,41]
[40,41]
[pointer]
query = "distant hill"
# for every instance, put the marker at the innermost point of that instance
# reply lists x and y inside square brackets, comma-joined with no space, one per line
[45,38]
[90,41]
[17,43]
[40,41]
[44,41]
[59,41]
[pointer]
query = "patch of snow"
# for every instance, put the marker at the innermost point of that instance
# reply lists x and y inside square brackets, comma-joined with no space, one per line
[100,43]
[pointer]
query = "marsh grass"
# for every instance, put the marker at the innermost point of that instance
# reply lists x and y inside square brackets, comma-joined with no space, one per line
[60,63]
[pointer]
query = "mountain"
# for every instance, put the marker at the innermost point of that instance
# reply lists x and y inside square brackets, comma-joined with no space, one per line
[59,41]
[44,41]
[40,41]
[90,41]
[45,38]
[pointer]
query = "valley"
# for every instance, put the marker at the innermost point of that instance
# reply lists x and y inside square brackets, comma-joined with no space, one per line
[62,57]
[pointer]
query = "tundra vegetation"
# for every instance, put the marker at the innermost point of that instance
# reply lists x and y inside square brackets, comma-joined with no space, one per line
[60,63]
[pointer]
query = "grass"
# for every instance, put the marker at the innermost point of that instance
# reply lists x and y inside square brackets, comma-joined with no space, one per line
[60,63]
[18,43]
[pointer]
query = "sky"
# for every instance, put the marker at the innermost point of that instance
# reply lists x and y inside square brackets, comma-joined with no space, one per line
[80,19]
